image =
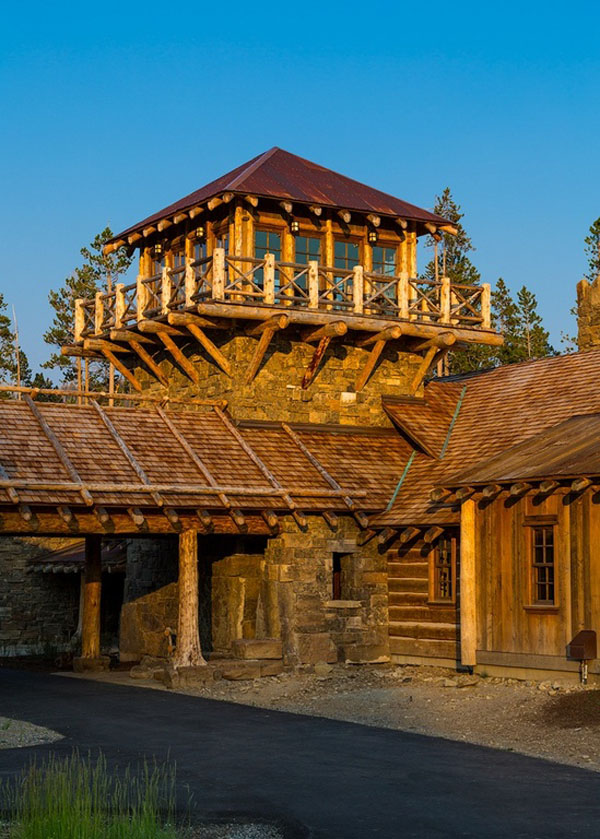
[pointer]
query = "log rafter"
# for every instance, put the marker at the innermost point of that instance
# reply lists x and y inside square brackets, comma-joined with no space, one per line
[59,449]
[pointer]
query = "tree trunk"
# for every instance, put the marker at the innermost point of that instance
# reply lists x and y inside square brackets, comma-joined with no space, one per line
[90,628]
[187,651]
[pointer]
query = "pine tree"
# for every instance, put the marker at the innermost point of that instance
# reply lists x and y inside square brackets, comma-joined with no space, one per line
[592,251]
[532,337]
[97,273]
[7,346]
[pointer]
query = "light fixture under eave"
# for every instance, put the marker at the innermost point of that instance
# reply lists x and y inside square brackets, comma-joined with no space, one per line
[295,227]
[157,249]
[372,236]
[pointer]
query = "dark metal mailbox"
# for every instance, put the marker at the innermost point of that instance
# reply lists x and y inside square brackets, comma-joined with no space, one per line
[583,647]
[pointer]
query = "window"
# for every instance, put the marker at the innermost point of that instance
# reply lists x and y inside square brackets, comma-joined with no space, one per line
[384,261]
[345,254]
[200,249]
[222,241]
[308,249]
[444,570]
[542,565]
[336,579]
[178,258]
[266,241]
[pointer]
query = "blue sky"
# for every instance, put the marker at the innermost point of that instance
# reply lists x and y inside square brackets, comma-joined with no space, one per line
[111,111]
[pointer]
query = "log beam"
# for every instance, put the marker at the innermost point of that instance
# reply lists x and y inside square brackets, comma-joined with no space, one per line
[108,351]
[316,359]
[580,484]
[424,367]
[408,534]
[335,329]
[432,534]
[548,487]
[188,652]
[267,331]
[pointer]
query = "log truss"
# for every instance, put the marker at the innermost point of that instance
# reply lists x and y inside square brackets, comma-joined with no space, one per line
[58,490]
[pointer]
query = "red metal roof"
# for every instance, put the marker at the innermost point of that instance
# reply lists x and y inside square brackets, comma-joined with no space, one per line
[280,174]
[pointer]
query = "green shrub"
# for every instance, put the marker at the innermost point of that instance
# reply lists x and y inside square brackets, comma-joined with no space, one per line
[77,798]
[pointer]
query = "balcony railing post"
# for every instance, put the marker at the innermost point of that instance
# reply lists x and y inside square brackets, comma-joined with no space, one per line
[190,282]
[165,290]
[79,319]
[313,284]
[218,284]
[445,300]
[486,307]
[358,288]
[141,297]
[120,304]
[269,278]
[403,293]
[98,312]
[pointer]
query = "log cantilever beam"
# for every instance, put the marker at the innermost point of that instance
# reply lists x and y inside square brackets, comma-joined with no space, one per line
[195,326]
[378,340]
[435,348]
[136,343]
[108,350]
[323,335]
[267,331]
[166,334]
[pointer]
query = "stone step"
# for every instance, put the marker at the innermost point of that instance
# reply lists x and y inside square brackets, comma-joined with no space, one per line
[257,648]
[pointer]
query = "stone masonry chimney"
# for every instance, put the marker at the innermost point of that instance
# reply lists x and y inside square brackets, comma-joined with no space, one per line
[588,313]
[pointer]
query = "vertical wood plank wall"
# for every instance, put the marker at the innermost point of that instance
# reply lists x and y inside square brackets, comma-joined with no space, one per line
[418,628]
[506,620]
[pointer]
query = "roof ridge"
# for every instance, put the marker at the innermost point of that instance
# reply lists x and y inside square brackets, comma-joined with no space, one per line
[252,167]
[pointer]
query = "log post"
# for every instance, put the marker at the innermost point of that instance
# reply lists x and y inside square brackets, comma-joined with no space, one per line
[98,312]
[445,300]
[269,278]
[90,658]
[403,295]
[79,319]
[120,304]
[468,585]
[313,284]
[486,305]
[187,651]
[358,288]
[218,274]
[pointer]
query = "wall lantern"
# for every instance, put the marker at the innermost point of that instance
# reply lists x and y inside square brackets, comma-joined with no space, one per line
[295,227]
[158,249]
[199,232]
[372,236]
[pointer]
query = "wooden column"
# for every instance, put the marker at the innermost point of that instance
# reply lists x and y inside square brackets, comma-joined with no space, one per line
[468,585]
[90,625]
[187,651]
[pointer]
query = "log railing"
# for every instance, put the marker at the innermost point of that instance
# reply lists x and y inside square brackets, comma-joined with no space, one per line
[241,280]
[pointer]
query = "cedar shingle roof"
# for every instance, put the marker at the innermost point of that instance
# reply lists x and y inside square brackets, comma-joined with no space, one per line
[500,409]
[279,174]
[365,463]
[570,449]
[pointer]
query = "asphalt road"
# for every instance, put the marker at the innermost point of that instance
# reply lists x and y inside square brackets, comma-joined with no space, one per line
[321,778]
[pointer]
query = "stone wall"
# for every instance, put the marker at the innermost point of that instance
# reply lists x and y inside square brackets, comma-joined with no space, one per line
[588,314]
[250,587]
[296,595]
[38,612]
[276,394]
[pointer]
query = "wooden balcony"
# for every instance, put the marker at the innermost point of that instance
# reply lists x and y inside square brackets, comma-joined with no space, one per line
[246,288]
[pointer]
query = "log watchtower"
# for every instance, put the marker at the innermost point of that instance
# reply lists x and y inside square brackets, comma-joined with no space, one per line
[287,289]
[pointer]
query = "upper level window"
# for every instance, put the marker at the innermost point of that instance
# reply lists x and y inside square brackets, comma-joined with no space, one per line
[384,260]
[345,254]
[542,565]
[444,570]
[308,249]
[266,241]
[178,258]
[200,249]
[222,241]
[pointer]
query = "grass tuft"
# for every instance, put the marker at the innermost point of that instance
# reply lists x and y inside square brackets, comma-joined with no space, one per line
[77,798]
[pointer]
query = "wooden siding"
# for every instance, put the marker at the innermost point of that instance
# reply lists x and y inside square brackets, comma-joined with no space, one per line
[416,626]
[506,620]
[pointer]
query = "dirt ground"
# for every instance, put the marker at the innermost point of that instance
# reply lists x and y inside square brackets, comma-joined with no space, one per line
[553,720]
